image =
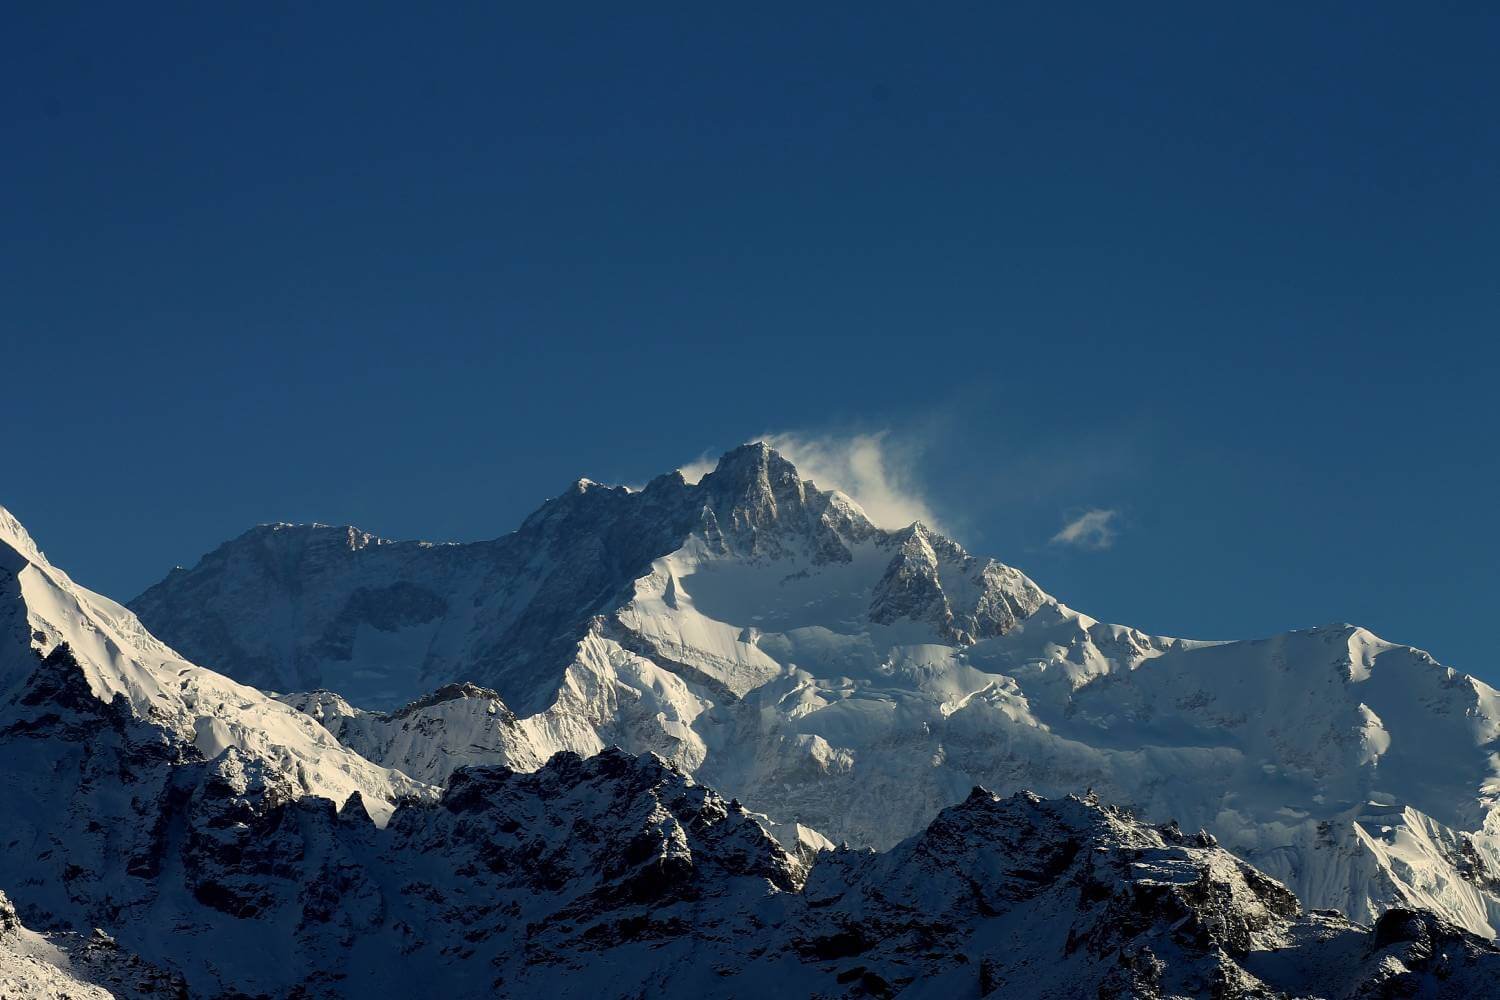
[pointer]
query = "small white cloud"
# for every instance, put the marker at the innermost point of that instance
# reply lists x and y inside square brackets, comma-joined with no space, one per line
[868,468]
[1093,529]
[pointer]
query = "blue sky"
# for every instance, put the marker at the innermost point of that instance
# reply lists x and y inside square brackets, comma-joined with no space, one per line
[1229,276]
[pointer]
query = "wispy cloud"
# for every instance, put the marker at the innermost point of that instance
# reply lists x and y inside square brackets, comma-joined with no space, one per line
[1093,529]
[871,469]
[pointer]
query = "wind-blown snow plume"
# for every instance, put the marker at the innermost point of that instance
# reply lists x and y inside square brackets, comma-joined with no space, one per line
[699,467]
[1093,529]
[866,467]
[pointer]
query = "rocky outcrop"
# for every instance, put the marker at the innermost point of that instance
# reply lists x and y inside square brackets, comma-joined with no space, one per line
[932,580]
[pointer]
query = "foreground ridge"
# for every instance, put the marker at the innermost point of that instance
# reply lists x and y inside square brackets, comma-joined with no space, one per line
[617,876]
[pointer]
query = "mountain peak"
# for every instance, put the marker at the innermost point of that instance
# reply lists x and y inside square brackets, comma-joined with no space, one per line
[751,465]
[758,501]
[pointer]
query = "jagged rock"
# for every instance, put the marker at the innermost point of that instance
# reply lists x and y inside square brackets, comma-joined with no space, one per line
[617,876]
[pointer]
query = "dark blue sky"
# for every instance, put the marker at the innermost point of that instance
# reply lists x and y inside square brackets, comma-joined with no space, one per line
[1231,275]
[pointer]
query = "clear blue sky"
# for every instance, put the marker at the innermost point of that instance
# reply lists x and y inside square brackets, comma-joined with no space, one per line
[1234,275]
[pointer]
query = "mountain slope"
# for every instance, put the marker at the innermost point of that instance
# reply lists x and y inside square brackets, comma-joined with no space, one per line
[767,638]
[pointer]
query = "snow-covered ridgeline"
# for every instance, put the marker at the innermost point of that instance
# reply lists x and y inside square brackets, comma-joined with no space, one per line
[764,635]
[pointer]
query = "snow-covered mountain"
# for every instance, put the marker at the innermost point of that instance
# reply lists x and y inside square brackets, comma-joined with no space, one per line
[169,832]
[768,639]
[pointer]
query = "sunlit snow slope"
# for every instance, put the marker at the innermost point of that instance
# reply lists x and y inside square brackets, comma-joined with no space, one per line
[43,612]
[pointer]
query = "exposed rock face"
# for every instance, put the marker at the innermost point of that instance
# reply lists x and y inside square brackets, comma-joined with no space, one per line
[765,637]
[933,580]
